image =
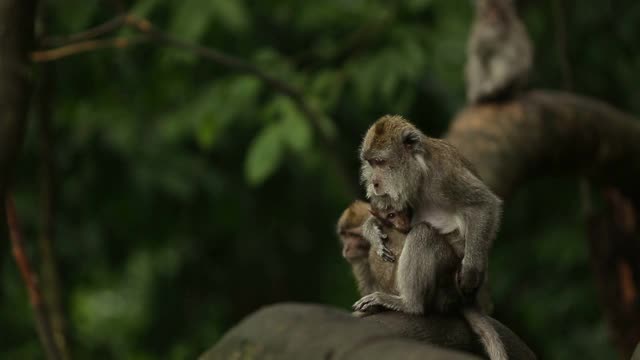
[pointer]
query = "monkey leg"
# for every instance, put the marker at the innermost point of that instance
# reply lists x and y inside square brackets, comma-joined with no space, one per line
[416,276]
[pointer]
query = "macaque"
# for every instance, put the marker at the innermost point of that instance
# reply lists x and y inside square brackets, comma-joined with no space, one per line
[430,279]
[499,52]
[370,271]
[403,168]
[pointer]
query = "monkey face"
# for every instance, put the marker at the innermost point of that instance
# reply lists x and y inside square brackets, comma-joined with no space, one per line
[354,245]
[397,219]
[401,220]
[391,169]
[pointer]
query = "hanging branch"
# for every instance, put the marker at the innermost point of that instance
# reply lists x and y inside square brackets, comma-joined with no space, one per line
[43,324]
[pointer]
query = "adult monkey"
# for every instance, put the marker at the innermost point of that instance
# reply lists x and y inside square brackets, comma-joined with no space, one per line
[401,168]
[499,52]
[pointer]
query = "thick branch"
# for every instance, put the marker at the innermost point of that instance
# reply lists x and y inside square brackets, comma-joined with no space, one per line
[545,133]
[549,132]
[297,331]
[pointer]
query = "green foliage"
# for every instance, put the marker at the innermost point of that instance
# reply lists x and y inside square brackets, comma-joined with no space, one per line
[190,195]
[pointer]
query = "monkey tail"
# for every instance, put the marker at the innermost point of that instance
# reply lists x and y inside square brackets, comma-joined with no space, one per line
[489,337]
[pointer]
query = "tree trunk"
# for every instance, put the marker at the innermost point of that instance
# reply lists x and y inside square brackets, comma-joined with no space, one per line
[16,41]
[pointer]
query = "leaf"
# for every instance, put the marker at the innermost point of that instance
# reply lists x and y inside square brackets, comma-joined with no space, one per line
[191,19]
[327,87]
[144,7]
[264,155]
[296,131]
[231,14]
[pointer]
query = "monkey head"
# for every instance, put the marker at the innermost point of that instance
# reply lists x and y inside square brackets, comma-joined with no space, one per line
[496,13]
[397,219]
[354,245]
[393,162]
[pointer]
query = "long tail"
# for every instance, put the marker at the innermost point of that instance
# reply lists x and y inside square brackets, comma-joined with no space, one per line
[489,337]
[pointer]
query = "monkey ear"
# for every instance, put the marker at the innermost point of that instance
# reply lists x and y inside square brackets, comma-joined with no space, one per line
[410,140]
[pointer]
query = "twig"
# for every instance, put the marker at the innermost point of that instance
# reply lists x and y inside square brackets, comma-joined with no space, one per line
[88,34]
[84,46]
[43,325]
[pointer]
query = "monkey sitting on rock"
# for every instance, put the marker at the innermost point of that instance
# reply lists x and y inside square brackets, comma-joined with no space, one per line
[440,265]
[403,168]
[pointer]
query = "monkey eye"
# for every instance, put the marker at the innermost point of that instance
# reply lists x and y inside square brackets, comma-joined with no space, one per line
[391,216]
[377,162]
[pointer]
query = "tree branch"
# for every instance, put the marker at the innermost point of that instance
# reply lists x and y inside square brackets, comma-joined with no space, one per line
[85,46]
[544,133]
[43,325]
[328,141]
[102,29]
[549,132]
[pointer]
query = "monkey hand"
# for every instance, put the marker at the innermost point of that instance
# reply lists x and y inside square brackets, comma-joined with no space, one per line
[382,250]
[470,278]
[385,253]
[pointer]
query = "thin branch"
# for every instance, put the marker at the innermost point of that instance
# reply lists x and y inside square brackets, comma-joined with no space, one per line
[84,46]
[43,325]
[94,32]
[48,267]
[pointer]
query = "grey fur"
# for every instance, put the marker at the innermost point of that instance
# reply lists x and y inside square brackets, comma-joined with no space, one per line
[499,52]
[427,283]
[433,178]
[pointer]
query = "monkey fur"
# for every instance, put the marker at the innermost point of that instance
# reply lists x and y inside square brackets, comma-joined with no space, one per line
[370,271]
[445,299]
[499,52]
[403,168]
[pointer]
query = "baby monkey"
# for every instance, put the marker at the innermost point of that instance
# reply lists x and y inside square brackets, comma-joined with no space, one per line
[437,291]
[428,281]
[371,272]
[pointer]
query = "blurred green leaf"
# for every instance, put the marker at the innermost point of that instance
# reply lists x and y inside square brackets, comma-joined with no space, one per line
[265,154]
[143,8]
[295,129]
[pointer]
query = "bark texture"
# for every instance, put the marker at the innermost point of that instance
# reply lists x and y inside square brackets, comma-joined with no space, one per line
[545,133]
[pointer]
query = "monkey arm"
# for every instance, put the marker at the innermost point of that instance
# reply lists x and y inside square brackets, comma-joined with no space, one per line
[364,277]
[480,211]
[372,231]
